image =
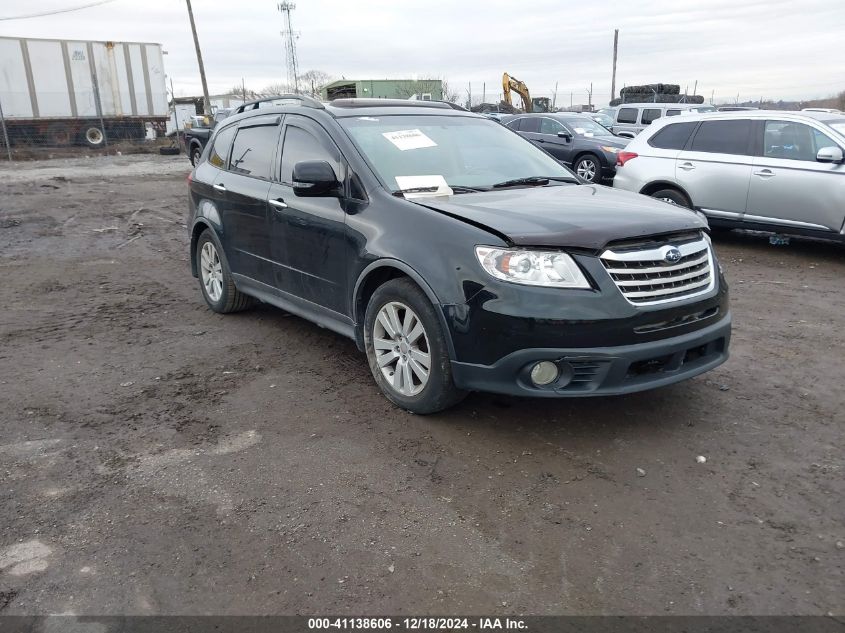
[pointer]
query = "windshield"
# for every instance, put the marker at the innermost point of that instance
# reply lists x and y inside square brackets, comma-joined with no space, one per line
[588,127]
[704,109]
[604,119]
[460,150]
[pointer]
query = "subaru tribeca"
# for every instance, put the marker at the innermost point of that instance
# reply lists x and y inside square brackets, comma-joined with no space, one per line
[455,253]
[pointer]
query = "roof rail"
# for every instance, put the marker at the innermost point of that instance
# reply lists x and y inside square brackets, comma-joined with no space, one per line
[305,100]
[392,103]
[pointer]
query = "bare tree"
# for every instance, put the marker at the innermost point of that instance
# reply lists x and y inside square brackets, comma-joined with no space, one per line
[430,85]
[278,88]
[311,82]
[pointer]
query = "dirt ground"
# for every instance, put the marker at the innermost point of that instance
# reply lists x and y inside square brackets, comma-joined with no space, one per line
[159,458]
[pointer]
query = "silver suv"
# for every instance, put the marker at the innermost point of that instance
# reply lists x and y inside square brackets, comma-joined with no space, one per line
[632,118]
[764,169]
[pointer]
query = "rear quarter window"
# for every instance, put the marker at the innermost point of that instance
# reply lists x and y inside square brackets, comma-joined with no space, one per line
[221,146]
[673,136]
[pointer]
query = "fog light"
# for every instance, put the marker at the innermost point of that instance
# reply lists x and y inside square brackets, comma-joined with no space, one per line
[544,373]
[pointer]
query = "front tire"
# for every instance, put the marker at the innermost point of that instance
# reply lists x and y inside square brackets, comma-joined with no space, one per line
[672,196]
[196,152]
[588,168]
[407,351]
[216,283]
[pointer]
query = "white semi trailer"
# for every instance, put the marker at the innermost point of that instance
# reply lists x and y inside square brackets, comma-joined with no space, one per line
[66,92]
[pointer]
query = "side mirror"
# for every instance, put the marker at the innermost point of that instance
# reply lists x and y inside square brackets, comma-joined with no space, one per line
[565,135]
[313,178]
[830,155]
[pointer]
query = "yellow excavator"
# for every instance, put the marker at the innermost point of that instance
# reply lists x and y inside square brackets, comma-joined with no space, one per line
[538,104]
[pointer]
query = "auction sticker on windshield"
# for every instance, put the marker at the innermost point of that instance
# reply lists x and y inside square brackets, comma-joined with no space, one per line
[409,139]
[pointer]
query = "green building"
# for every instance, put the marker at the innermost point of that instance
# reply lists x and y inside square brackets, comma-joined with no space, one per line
[425,89]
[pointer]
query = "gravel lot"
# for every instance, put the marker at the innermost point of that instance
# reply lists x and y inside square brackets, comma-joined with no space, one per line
[159,458]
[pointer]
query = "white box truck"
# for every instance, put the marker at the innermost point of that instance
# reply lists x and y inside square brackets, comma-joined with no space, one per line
[67,92]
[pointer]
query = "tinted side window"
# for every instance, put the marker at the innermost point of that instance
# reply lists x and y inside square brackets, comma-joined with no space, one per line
[627,115]
[301,144]
[220,149]
[673,136]
[722,137]
[650,114]
[530,124]
[252,151]
[515,124]
[672,112]
[550,126]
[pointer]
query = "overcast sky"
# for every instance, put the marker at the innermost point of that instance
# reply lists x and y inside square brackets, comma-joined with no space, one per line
[788,49]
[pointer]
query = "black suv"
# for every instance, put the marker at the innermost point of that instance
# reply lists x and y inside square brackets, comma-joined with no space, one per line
[456,254]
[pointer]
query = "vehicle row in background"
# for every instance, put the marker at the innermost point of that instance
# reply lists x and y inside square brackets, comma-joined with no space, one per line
[761,169]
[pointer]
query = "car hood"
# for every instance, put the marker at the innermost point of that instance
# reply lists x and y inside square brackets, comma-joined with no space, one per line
[576,216]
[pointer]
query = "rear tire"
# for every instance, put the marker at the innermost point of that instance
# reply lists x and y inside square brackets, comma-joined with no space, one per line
[215,277]
[196,152]
[401,335]
[672,196]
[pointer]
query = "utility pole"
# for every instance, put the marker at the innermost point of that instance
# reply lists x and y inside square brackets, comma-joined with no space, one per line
[590,97]
[554,97]
[290,45]
[206,106]
[615,51]
[483,92]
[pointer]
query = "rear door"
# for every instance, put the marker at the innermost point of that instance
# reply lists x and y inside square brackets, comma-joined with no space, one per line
[715,167]
[242,191]
[309,246]
[789,186]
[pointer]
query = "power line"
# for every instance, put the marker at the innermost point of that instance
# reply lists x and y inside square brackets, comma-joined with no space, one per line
[56,11]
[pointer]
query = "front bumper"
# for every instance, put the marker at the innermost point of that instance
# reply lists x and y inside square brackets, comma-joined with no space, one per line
[599,371]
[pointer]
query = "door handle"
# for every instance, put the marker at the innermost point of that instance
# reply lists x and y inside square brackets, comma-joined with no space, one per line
[220,187]
[278,203]
[539,140]
[686,166]
[764,173]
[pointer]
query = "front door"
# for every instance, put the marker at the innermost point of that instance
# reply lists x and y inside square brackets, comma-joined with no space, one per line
[309,247]
[715,168]
[789,186]
[558,146]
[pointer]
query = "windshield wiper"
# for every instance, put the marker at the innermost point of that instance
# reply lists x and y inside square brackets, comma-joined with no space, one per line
[533,181]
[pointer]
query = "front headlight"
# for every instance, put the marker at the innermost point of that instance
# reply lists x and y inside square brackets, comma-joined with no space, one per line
[532,268]
[611,150]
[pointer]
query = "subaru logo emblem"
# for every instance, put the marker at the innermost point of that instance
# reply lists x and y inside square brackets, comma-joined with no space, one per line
[672,255]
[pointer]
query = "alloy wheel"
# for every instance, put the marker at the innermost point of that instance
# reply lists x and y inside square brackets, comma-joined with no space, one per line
[212,271]
[402,349]
[587,169]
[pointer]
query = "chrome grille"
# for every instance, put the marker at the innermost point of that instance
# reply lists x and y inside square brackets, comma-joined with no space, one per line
[645,277]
